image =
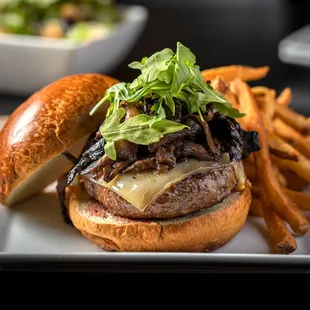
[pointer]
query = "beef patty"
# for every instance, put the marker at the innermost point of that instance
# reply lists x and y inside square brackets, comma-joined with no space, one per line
[193,193]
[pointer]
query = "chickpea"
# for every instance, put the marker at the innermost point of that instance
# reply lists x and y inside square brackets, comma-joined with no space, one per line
[52,29]
[71,11]
[3,31]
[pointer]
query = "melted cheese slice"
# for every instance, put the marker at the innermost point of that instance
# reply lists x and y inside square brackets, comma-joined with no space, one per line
[140,189]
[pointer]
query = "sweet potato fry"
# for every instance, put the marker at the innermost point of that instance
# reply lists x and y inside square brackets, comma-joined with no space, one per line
[229,73]
[273,93]
[301,199]
[281,149]
[301,167]
[251,159]
[255,188]
[256,207]
[285,97]
[266,105]
[267,111]
[279,175]
[294,119]
[293,180]
[220,85]
[291,136]
[253,121]
[250,170]
[284,242]
[287,157]
[261,91]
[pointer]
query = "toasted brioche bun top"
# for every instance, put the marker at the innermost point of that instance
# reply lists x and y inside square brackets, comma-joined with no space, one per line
[51,121]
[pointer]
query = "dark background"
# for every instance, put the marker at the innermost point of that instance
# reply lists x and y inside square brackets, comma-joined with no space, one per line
[219,33]
[224,32]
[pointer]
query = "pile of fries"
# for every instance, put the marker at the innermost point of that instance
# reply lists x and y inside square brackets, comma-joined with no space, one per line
[280,171]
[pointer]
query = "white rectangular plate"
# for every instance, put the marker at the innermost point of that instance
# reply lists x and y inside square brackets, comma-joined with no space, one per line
[34,231]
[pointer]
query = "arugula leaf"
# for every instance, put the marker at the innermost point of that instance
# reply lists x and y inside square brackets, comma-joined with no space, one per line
[227,109]
[118,92]
[114,94]
[136,129]
[167,75]
[182,74]
[110,150]
[211,96]
[111,122]
[152,67]
[147,88]
[167,97]
[169,102]
[164,77]
[160,111]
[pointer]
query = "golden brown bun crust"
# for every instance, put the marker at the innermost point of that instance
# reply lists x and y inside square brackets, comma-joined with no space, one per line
[202,231]
[46,124]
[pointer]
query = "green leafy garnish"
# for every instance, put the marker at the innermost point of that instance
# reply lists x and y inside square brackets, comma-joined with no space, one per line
[135,129]
[165,76]
[154,68]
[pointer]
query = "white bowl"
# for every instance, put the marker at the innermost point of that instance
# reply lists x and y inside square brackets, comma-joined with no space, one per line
[27,63]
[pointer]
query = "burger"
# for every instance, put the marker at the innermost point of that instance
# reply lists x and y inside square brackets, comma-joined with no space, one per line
[159,164]
[164,170]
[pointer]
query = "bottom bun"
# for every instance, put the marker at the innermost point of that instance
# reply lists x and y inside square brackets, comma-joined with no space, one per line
[202,231]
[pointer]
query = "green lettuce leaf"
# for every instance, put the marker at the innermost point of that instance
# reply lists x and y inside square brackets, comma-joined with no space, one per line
[165,76]
[182,74]
[154,67]
[137,129]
